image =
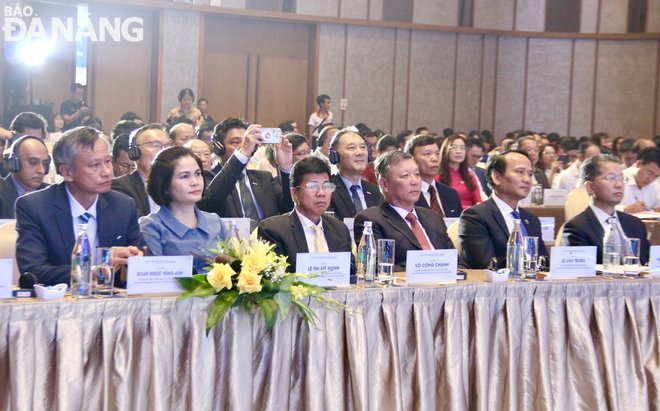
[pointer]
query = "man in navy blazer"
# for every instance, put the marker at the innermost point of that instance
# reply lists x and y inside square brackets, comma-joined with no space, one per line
[397,218]
[47,220]
[295,232]
[475,152]
[605,183]
[484,229]
[434,195]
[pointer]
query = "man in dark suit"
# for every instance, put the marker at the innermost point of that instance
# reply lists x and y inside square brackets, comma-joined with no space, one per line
[484,229]
[237,192]
[605,183]
[475,152]
[28,162]
[353,194]
[306,229]
[434,195]
[144,145]
[397,218]
[47,220]
[529,145]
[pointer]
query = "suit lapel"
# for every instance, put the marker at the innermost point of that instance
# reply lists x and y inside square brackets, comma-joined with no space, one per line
[256,191]
[431,231]
[497,214]
[342,190]
[596,227]
[63,216]
[104,223]
[399,224]
[298,233]
[369,197]
[141,191]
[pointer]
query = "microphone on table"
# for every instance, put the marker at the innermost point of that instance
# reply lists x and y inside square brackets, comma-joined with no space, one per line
[27,281]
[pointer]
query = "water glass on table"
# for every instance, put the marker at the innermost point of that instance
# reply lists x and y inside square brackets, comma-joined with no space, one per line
[103,271]
[385,261]
[530,256]
[631,256]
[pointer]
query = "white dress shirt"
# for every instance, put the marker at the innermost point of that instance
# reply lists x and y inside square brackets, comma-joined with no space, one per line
[360,192]
[319,154]
[403,213]
[632,194]
[427,194]
[310,234]
[506,211]
[153,207]
[78,210]
[602,216]
[567,179]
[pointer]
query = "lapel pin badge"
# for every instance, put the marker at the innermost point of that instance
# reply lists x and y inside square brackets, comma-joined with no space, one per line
[526,221]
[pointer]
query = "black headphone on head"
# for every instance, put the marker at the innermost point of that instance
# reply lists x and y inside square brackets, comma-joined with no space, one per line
[134,151]
[15,162]
[218,148]
[334,156]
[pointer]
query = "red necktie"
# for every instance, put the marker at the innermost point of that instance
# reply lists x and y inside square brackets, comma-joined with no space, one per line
[435,206]
[417,230]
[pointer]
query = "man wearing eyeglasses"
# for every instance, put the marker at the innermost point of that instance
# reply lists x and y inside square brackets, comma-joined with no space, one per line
[605,183]
[144,144]
[642,189]
[306,229]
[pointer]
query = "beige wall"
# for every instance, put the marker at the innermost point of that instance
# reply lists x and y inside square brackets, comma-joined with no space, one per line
[401,79]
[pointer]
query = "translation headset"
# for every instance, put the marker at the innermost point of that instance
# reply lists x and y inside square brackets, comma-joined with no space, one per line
[15,162]
[134,151]
[334,156]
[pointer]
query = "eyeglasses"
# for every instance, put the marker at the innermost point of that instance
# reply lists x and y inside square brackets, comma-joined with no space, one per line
[549,153]
[612,179]
[457,148]
[157,145]
[126,167]
[302,153]
[314,186]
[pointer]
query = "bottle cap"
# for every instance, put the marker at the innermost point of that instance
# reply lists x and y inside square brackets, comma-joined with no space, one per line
[82,227]
[368,223]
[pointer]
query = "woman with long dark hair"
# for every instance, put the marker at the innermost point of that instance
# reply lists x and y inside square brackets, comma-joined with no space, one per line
[454,171]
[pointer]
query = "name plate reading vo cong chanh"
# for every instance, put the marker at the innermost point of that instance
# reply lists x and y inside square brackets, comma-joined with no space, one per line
[334,268]
[157,275]
[573,262]
[431,267]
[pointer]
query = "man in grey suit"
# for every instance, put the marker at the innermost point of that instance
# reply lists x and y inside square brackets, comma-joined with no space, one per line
[306,229]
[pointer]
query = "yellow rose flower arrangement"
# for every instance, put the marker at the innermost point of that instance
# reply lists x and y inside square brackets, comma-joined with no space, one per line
[249,283]
[220,276]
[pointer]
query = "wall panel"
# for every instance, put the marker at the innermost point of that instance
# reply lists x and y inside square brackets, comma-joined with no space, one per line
[440,12]
[468,82]
[530,15]
[548,85]
[431,80]
[376,9]
[328,8]
[653,16]
[331,64]
[489,66]
[494,14]
[369,50]
[589,16]
[400,80]
[582,92]
[510,90]
[354,9]
[613,16]
[625,90]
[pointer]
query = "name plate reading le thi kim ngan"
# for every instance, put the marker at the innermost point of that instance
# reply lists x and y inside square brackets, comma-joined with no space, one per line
[6,276]
[156,275]
[654,260]
[431,266]
[334,268]
[552,197]
[573,262]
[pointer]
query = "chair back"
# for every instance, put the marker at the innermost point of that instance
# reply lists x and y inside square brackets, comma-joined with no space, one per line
[8,237]
[576,202]
[560,234]
[452,232]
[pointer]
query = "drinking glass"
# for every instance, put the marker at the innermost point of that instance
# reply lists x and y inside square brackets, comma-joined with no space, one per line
[385,261]
[631,256]
[537,194]
[530,256]
[103,271]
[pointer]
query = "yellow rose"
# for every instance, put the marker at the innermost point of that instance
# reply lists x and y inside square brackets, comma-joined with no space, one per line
[220,276]
[249,283]
[254,263]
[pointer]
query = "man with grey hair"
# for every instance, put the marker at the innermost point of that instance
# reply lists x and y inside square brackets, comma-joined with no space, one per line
[605,182]
[144,144]
[47,220]
[530,145]
[397,218]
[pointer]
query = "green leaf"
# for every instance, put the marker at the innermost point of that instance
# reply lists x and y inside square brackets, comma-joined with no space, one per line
[269,310]
[283,299]
[221,305]
[199,280]
[308,315]
[185,283]
[287,282]
[201,291]
[247,303]
[239,300]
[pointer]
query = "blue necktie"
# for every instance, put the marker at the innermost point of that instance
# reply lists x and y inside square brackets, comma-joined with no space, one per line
[516,215]
[356,198]
[85,218]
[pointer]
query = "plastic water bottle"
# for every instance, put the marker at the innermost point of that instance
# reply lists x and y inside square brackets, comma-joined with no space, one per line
[514,251]
[81,265]
[367,255]
[232,230]
[612,242]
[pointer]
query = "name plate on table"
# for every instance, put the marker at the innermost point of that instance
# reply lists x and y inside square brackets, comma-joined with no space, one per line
[573,262]
[334,268]
[156,275]
[553,197]
[548,229]
[431,266]
[654,260]
[6,275]
[350,223]
[242,226]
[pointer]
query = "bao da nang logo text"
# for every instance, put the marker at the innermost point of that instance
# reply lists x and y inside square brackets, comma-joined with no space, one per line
[16,29]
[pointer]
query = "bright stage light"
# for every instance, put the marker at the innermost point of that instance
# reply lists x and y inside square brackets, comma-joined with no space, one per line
[33,53]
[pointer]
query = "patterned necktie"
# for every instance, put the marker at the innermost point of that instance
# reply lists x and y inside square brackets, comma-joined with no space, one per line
[249,209]
[85,218]
[516,215]
[356,198]
[417,230]
[320,248]
[435,206]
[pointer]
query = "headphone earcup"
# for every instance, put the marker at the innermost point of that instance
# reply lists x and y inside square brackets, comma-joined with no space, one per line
[14,163]
[219,148]
[134,152]
[47,168]
[370,156]
[334,157]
